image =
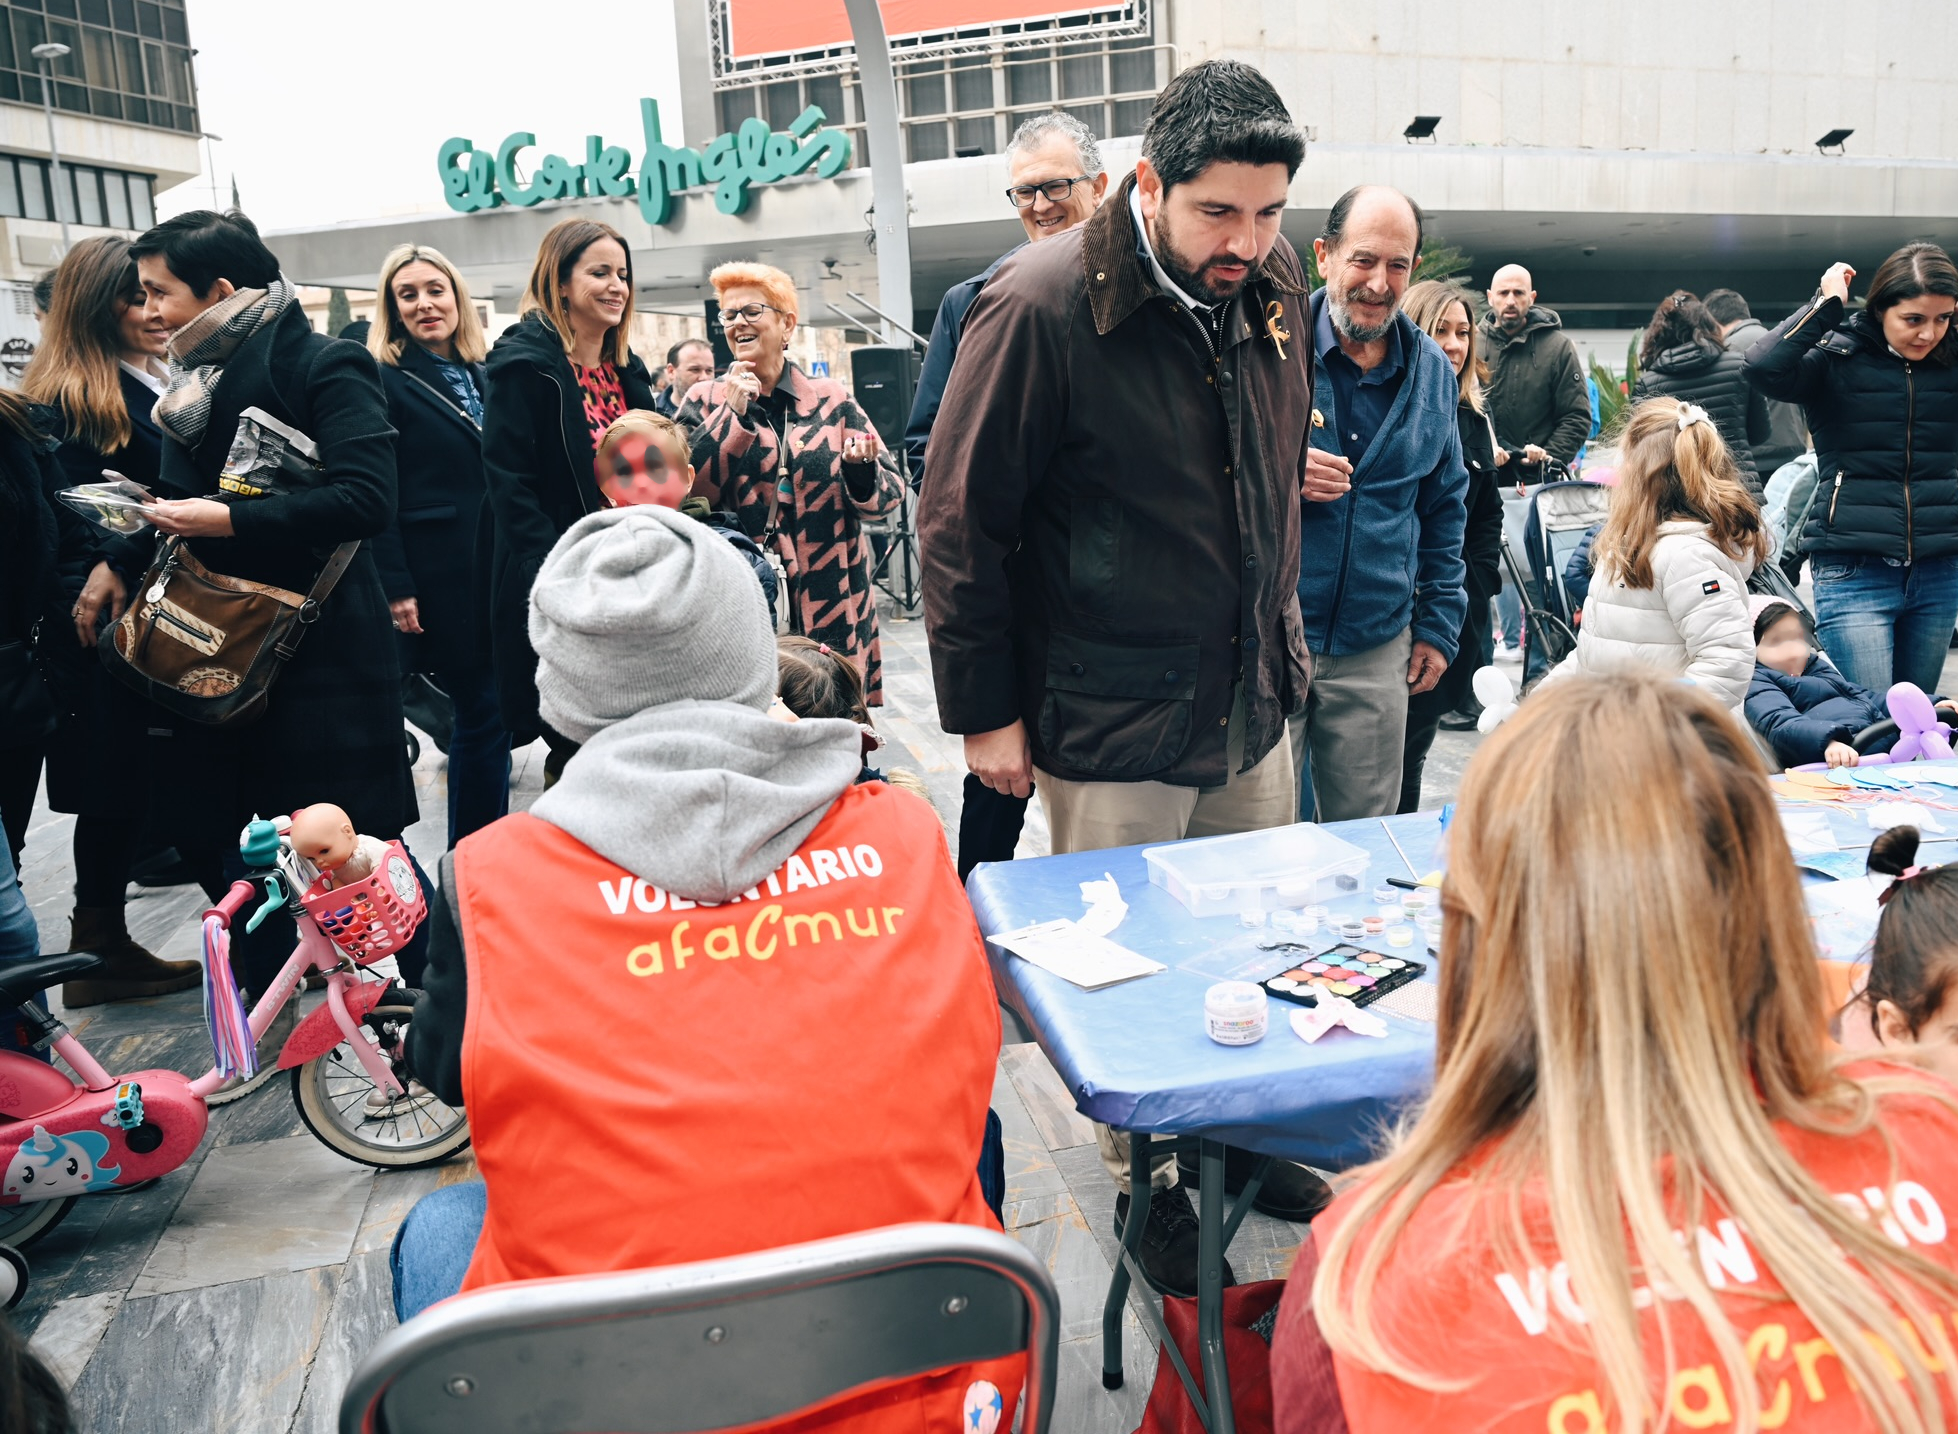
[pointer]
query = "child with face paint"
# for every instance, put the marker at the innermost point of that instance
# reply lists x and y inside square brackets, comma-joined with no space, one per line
[643,458]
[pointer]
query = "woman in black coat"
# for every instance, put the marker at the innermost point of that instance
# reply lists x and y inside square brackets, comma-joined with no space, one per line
[30,608]
[1880,391]
[1683,356]
[332,730]
[429,344]
[99,374]
[556,381]
[1442,310]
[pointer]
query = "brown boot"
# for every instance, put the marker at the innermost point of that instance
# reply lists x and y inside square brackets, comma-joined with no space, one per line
[128,970]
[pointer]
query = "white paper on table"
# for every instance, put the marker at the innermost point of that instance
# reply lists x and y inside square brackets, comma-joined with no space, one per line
[1082,957]
[1105,906]
[1808,832]
[1903,814]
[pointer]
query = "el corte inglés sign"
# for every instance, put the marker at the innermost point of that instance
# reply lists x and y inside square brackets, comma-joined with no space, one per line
[475,179]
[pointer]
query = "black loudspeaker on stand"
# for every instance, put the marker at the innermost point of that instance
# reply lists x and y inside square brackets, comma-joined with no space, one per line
[885,379]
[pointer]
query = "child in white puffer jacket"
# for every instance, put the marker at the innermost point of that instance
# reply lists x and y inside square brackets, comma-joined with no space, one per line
[1673,558]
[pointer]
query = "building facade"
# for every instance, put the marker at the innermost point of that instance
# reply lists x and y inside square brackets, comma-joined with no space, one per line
[125,123]
[1619,152]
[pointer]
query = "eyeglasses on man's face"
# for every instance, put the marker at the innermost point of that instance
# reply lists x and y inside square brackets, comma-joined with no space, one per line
[750,313]
[1056,190]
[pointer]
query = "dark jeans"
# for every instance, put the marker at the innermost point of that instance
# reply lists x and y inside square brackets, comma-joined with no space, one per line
[989,825]
[479,752]
[104,850]
[1423,721]
[20,940]
[1884,622]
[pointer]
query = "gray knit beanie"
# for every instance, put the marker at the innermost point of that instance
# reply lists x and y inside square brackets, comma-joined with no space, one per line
[637,607]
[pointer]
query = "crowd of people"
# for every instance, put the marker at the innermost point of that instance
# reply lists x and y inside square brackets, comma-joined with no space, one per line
[1205,550]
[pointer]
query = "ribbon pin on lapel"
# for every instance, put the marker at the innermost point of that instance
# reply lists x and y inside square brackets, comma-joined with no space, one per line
[1274,327]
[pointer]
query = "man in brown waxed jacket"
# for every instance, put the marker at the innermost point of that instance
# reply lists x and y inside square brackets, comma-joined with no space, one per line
[1111,533]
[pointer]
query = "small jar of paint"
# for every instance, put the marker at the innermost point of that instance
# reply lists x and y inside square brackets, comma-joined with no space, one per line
[1372,925]
[1352,928]
[1386,896]
[1235,1013]
[1402,935]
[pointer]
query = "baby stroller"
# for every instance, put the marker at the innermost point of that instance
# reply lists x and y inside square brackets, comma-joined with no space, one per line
[1559,515]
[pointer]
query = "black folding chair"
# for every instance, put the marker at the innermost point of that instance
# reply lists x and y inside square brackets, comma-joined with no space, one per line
[688,1349]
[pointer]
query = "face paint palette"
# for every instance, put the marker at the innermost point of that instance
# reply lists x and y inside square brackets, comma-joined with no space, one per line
[1361,976]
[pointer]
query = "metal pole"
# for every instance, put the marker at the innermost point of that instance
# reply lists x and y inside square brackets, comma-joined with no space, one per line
[47,54]
[890,205]
[905,329]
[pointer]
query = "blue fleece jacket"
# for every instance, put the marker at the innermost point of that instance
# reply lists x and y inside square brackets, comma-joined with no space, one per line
[1801,716]
[1388,554]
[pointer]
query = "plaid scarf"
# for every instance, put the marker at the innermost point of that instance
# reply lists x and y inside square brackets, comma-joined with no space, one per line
[198,352]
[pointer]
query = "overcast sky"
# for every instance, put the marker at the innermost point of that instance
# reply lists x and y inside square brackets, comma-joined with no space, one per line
[334,109]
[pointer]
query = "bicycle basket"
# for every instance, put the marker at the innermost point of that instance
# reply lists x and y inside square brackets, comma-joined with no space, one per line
[373,917]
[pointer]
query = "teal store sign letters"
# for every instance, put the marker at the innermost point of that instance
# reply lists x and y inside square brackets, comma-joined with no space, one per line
[474,179]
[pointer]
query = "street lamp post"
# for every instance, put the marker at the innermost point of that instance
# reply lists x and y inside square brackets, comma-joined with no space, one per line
[211,163]
[47,54]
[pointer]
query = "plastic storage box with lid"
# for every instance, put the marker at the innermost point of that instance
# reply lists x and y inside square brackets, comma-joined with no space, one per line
[1263,870]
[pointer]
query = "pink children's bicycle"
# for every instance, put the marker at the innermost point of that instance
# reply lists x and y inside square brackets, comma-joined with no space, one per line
[65,1135]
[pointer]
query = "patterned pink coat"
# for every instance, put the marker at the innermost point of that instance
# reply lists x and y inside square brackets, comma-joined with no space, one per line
[803,498]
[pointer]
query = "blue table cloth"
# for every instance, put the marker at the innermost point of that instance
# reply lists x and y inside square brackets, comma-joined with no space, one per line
[1136,1055]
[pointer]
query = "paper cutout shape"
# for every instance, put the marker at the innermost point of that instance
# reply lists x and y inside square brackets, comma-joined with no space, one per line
[1312,1022]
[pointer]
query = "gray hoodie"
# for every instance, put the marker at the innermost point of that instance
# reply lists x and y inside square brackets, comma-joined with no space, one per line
[703,798]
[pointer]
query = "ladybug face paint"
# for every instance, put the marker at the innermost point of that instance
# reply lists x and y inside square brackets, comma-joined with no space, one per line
[637,471]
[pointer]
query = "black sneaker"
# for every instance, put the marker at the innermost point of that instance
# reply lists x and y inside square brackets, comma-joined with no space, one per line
[1168,1250]
[1290,1192]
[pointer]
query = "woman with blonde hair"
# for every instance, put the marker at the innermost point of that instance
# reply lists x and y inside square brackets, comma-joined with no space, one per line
[1442,311]
[1642,1193]
[557,380]
[99,366]
[798,461]
[1672,559]
[428,340]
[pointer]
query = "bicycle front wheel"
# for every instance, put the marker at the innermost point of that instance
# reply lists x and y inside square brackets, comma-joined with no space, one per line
[341,1105]
[24,1224]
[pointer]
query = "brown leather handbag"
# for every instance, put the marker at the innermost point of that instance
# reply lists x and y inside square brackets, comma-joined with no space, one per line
[209,647]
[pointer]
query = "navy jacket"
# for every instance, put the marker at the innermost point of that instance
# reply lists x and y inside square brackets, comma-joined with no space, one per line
[1388,554]
[428,552]
[937,369]
[1801,716]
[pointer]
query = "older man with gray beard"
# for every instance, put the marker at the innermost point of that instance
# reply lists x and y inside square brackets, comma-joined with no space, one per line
[1380,581]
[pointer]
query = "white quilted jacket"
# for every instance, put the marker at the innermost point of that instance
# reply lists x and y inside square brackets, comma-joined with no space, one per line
[1692,622]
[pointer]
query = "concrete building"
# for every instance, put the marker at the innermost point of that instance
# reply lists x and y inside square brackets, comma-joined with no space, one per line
[1619,151]
[126,126]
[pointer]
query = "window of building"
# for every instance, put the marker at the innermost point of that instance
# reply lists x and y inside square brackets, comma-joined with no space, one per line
[128,60]
[102,198]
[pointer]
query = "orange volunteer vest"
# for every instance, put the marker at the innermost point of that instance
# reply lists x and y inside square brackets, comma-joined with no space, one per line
[1450,1304]
[652,1080]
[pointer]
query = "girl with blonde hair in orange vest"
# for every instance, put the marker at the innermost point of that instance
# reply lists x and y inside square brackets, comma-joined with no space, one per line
[705,961]
[1641,1195]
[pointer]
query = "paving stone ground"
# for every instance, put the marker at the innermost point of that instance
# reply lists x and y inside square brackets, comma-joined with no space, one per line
[238,1293]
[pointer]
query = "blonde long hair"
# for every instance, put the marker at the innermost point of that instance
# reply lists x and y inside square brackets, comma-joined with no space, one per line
[1426,303]
[1629,995]
[75,369]
[1666,472]
[388,336]
[550,276]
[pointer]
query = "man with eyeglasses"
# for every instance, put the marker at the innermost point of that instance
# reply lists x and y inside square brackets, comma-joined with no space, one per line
[1055,180]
